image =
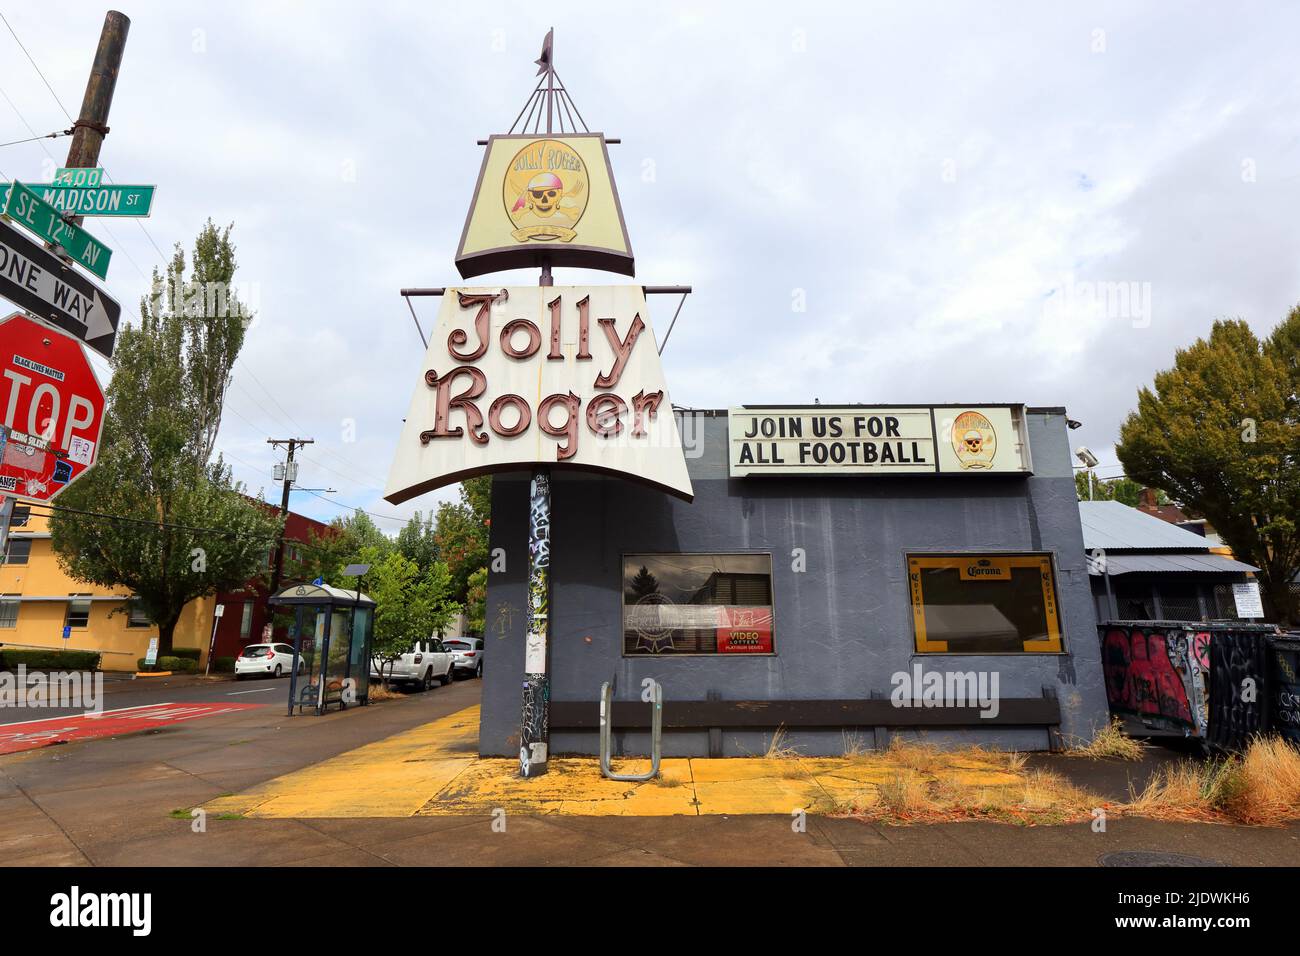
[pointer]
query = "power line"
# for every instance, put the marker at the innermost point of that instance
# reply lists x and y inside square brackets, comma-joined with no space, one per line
[37,69]
[54,135]
[343,507]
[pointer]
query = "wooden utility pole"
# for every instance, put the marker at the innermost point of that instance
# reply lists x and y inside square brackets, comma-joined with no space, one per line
[278,567]
[92,124]
[88,136]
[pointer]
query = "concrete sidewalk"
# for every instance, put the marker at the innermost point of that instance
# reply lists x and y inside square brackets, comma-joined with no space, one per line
[110,802]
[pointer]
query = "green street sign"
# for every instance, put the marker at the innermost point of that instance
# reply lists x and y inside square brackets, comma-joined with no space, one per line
[78,176]
[96,200]
[23,206]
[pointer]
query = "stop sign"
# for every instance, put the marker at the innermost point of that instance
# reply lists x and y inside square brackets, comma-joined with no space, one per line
[52,407]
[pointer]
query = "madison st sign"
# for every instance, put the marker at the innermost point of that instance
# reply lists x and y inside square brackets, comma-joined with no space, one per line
[539,375]
[884,440]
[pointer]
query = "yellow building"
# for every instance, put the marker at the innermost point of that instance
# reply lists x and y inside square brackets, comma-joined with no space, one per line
[38,600]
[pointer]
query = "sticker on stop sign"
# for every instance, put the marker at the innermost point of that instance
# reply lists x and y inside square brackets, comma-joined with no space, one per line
[52,406]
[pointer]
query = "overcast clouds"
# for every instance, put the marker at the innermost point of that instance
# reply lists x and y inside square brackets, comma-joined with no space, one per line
[941,183]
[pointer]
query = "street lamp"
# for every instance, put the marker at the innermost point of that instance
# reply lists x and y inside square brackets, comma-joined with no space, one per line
[1090,461]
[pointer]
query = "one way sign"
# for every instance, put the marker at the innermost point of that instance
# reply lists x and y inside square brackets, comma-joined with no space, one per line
[35,279]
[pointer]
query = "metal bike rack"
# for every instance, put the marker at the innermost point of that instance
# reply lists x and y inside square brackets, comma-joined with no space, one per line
[607,729]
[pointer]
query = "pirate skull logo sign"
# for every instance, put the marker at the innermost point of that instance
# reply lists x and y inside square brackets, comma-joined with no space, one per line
[974,440]
[545,191]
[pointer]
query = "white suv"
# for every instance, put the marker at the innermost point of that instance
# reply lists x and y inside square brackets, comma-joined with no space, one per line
[424,663]
[467,654]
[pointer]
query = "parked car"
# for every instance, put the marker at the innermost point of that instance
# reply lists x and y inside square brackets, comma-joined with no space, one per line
[467,654]
[424,663]
[273,659]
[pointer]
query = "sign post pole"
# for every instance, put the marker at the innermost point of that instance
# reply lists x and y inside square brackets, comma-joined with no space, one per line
[534,733]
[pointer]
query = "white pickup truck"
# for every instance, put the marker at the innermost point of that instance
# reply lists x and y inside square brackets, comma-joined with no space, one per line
[424,663]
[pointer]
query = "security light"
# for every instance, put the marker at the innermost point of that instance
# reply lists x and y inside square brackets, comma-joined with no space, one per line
[1087,457]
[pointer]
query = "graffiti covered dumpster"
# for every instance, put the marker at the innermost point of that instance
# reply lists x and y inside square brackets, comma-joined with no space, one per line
[1284,694]
[1177,678]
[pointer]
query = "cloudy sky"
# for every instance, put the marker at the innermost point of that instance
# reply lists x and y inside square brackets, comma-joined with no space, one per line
[874,202]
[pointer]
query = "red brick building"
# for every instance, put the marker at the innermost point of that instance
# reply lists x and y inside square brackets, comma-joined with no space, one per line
[245,612]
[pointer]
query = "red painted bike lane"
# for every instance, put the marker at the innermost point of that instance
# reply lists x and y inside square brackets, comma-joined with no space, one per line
[56,730]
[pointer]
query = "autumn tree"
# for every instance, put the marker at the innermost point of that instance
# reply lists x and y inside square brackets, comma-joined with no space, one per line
[1220,432]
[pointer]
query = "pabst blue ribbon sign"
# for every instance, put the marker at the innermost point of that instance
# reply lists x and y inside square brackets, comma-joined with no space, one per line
[522,376]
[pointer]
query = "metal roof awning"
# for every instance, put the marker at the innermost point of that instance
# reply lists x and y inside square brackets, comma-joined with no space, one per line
[1205,563]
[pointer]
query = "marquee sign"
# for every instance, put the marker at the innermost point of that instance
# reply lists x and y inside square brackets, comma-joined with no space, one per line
[545,199]
[540,375]
[881,440]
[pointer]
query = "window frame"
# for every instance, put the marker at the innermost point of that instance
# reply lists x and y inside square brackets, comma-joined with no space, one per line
[132,605]
[67,610]
[1055,644]
[17,602]
[9,546]
[715,655]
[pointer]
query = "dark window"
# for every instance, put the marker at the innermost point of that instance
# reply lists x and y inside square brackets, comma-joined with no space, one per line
[21,515]
[697,604]
[18,551]
[78,614]
[137,616]
[984,603]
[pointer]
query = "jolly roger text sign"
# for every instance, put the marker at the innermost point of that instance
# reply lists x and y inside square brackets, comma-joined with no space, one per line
[563,375]
[880,440]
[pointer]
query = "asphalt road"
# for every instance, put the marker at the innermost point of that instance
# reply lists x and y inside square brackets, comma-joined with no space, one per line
[121,692]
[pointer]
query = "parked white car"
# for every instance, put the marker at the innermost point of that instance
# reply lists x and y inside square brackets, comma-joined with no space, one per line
[274,660]
[424,663]
[467,654]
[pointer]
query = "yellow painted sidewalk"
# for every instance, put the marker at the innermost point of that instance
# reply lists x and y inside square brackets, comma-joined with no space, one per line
[432,770]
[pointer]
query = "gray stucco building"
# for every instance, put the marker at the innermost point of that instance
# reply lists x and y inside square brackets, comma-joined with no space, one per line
[837,618]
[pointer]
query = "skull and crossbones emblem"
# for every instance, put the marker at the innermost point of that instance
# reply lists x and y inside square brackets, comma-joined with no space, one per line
[974,440]
[542,195]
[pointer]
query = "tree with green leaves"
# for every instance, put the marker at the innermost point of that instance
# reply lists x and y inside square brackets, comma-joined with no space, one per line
[476,601]
[1124,490]
[410,604]
[418,540]
[183,529]
[1220,432]
[329,552]
[461,532]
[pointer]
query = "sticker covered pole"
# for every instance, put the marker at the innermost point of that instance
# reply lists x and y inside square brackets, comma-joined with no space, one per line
[534,732]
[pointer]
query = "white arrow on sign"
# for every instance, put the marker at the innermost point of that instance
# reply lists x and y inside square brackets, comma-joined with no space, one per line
[97,321]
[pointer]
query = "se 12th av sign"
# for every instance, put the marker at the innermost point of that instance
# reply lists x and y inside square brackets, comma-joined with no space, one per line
[53,408]
[31,211]
[34,279]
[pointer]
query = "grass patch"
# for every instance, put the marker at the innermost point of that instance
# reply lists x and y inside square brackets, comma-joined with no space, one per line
[924,784]
[230,816]
[1110,743]
[779,748]
[855,747]
[181,814]
[1260,787]
[378,692]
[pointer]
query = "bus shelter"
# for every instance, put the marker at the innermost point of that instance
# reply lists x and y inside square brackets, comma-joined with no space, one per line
[330,631]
